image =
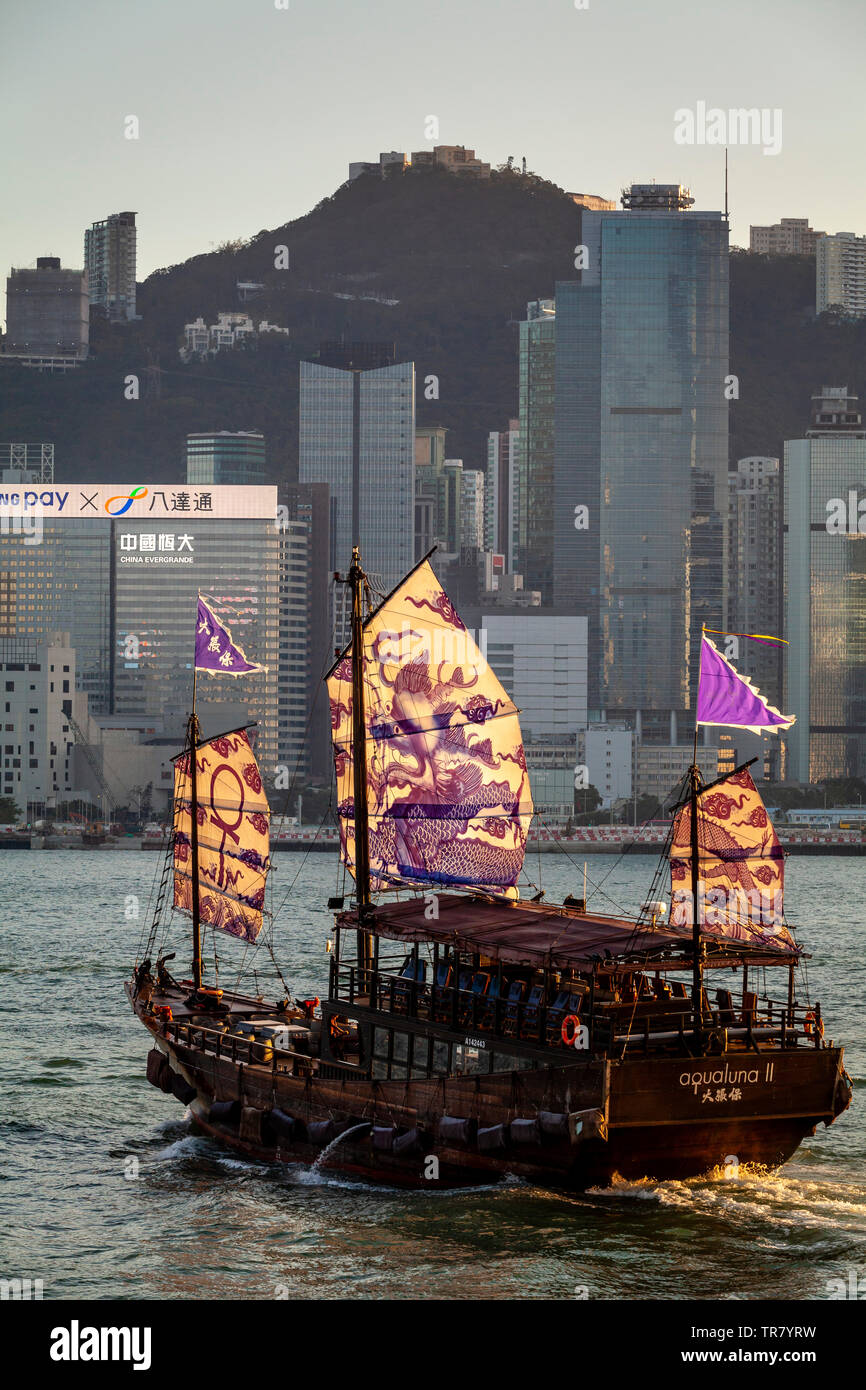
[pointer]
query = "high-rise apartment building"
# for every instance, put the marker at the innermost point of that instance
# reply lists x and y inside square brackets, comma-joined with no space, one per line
[502,494]
[47,316]
[535,447]
[472,509]
[357,434]
[641,441]
[226,456]
[294,668]
[791,237]
[755,569]
[109,259]
[840,274]
[439,492]
[825,591]
[309,504]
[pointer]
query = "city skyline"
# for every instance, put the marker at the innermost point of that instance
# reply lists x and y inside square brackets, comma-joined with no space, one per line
[175,172]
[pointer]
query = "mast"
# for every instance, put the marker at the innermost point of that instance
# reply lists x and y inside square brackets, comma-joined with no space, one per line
[694,786]
[359,765]
[193,836]
[697,958]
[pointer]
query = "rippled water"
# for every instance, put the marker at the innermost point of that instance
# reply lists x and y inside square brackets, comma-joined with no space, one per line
[197,1222]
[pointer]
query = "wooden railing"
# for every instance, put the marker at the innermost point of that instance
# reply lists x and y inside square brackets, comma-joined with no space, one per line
[648,1020]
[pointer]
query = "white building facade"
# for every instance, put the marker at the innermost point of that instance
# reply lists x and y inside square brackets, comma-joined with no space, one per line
[840,273]
[37,688]
[541,660]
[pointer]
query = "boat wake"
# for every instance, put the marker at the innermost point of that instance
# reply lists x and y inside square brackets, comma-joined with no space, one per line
[783,1204]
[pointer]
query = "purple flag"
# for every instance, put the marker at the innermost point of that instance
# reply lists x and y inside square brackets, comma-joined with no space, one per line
[214,648]
[726,697]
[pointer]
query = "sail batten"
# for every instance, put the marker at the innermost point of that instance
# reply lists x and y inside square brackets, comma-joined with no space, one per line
[232,831]
[447,787]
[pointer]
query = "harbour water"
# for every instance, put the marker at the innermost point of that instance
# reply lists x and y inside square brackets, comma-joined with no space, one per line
[105,1191]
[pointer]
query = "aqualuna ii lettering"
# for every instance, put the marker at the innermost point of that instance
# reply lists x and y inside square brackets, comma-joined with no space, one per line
[76,1343]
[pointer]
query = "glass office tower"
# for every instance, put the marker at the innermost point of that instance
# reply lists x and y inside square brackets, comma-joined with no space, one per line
[235,563]
[641,446]
[825,592]
[535,447]
[228,456]
[62,582]
[357,434]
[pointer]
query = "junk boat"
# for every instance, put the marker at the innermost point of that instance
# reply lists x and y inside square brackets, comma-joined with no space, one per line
[467,1034]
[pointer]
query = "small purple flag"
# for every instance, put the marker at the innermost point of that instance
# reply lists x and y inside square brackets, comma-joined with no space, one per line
[214,648]
[726,697]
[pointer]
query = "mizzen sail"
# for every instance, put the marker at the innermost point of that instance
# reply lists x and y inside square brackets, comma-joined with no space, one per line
[233,820]
[447,787]
[741,866]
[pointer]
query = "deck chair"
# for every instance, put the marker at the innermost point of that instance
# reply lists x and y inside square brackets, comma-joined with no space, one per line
[531,1013]
[478,985]
[512,1007]
[442,994]
[487,1011]
[403,991]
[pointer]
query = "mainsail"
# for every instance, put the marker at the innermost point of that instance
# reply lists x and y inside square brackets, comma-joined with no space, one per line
[741,866]
[447,787]
[233,819]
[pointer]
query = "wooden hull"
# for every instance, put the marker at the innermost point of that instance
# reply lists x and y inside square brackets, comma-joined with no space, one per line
[663,1117]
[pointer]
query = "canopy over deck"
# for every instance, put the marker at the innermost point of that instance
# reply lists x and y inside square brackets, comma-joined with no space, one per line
[540,936]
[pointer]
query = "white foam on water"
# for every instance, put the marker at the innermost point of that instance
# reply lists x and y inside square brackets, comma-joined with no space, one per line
[779,1200]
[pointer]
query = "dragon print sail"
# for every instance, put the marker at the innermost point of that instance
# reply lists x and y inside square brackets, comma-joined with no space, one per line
[233,819]
[741,866]
[447,787]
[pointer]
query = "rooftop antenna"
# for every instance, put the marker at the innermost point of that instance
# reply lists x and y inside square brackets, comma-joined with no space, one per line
[726,183]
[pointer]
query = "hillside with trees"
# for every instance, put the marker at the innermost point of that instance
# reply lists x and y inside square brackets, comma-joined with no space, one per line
[441,266]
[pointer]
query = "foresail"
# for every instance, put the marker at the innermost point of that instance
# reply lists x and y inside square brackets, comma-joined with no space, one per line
[741,866]
[233,818]
[448,791]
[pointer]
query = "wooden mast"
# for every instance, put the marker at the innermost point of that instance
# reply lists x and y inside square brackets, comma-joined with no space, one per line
[359,766]
[193,837]
[697,949]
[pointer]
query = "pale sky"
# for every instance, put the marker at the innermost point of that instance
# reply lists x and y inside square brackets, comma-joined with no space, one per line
[250,114]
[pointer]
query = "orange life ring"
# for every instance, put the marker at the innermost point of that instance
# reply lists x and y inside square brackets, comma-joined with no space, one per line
[570,1029]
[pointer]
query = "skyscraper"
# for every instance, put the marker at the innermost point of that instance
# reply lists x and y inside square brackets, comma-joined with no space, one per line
[109,259]
[309,504]
[119,568]
[641,438]
[755,569]
[502,494]
[431,521]
[357,434]
[535,447]
[47,316]
[226,456]
[472,509]
[294,673]
[825,591]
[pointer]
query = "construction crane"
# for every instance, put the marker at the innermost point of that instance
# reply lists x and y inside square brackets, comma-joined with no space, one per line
[92,763]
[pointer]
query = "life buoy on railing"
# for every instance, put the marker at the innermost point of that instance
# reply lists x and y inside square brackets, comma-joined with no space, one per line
[570,1029]
[812,1025]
